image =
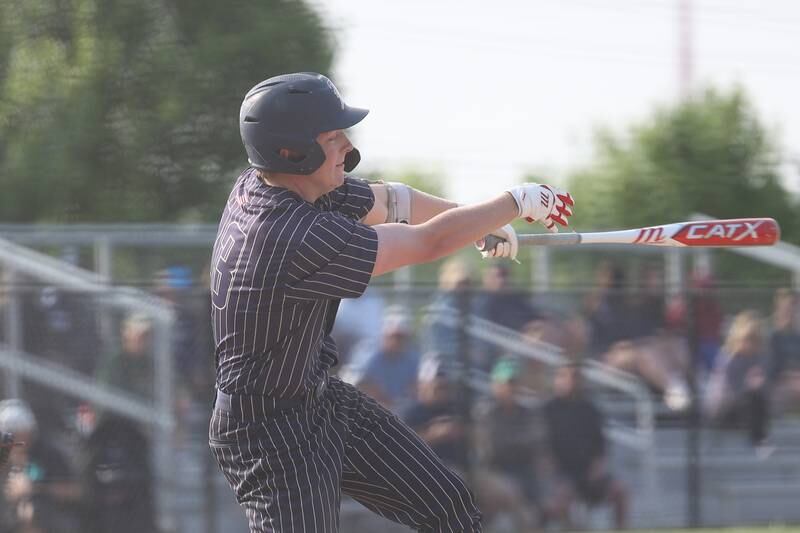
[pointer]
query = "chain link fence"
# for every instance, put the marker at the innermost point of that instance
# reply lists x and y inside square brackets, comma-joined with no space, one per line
[688,411]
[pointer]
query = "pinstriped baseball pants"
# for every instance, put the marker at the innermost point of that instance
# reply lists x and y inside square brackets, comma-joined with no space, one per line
[289,469]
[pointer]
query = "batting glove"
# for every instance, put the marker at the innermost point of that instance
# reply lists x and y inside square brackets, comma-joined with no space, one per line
[544,204]
[507,248]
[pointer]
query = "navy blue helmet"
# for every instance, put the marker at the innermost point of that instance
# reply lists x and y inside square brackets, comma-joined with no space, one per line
[289,111]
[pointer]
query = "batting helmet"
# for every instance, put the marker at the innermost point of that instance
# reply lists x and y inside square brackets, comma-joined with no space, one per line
[289,111]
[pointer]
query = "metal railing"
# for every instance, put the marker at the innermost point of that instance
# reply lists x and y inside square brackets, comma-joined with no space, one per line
[16,260]
[640,438]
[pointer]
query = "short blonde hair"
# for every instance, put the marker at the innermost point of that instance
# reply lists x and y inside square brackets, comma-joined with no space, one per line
[137,323]
[453,273]
[746,324]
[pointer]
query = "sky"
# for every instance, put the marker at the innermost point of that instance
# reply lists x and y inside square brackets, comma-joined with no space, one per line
[484,91]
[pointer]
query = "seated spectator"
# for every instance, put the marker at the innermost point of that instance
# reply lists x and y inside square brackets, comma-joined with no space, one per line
[784,363]
[388,371]
[442,334]
[511,435]
[628,333]
[499,303]
[438,418]
[736,394]
[117,478]
[40,493]
[131,368]
[358,321]
[707,318]
[564,336]
[577,444]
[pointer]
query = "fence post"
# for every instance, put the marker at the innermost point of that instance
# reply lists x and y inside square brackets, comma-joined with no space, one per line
[13,329]
[693,467]
[465,396]
[163,402]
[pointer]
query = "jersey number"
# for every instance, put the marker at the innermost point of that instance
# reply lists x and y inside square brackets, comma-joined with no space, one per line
[232,241]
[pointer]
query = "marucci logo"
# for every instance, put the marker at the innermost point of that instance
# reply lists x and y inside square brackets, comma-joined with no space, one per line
[650,235]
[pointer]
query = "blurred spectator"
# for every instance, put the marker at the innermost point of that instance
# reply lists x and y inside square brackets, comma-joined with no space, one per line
[388,371]
[131,368]
[784,364]
[437,417]
[511,435]
[174,285]
[61,324]
[442,335]
[606,310]
[118,479]
[628,333]
[707,318]
[499,303]
[617,310]
[577,444]
[358,322]
[40,492]
[439,420]
[736,393]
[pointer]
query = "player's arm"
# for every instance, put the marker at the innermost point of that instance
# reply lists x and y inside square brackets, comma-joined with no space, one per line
[401,245]
[397,202]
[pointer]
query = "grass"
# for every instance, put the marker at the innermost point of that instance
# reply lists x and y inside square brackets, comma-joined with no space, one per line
[761,529]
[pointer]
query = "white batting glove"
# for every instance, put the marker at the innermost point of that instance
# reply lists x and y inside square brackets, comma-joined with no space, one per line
[508,248]
[544,204]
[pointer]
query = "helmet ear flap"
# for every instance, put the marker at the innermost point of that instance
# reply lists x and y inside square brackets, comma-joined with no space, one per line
[351,160]
[306,158]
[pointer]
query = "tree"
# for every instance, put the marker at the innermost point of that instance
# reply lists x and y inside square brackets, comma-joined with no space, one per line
[126,110]
[709,154]
[421,180]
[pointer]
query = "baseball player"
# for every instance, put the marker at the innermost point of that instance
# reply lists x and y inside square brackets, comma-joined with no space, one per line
[296,236]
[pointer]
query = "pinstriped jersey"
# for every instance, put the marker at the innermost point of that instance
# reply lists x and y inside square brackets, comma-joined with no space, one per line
[279,267]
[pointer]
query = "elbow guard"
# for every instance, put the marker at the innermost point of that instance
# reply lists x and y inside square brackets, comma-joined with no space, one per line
[398,202]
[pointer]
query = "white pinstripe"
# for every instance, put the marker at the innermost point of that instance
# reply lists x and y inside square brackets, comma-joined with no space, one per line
[290,263]
[345,440]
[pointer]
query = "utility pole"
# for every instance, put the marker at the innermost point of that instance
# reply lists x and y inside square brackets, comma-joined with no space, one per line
[693,417]
[685,48]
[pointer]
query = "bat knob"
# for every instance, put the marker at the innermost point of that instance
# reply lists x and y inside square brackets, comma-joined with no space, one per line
[489,242]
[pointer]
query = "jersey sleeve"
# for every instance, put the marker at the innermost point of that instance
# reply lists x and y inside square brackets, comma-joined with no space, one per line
[354,199]
[335,259]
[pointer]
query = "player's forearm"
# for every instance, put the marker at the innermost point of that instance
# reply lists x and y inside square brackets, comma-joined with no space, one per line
[400,245]
[455,228]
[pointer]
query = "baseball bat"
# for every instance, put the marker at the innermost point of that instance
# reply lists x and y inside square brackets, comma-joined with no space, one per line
[703,233]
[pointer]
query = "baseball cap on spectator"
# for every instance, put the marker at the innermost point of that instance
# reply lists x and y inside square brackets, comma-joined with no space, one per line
[396,321]
[175,277]
[16,417]
[138,323]
[431,369]
[505,370]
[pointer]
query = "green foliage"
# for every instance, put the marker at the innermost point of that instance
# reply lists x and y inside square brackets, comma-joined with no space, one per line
[709,154]
[421,180]
[126,110]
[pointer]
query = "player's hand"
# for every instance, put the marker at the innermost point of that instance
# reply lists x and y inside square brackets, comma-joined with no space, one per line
[507,248]
[544,204]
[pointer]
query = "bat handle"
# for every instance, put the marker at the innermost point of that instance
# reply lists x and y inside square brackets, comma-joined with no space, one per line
[488,243]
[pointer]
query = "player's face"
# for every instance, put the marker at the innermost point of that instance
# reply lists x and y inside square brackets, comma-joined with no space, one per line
[335,144]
